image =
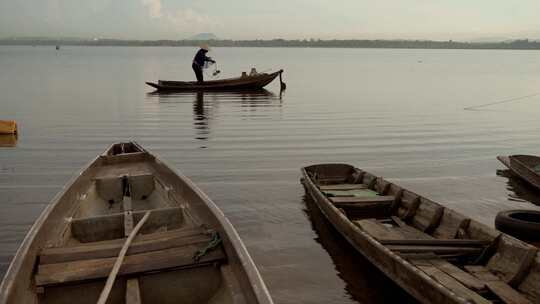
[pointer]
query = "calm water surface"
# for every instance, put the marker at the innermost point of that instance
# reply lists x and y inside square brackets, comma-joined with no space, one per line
[396,113]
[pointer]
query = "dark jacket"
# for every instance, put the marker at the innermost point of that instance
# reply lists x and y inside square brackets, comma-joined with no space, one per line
[200,58]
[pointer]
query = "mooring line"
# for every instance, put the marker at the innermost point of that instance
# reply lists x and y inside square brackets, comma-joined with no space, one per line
[501,101]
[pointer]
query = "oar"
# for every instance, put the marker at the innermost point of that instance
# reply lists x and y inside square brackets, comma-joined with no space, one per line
[112,276]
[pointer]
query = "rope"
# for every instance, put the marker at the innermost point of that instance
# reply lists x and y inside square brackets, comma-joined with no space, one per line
[502,101]
[214,242]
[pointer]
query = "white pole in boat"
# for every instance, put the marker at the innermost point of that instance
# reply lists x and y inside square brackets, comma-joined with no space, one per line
[112,276]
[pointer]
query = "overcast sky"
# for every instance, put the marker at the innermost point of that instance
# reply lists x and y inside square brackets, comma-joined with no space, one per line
[256,19]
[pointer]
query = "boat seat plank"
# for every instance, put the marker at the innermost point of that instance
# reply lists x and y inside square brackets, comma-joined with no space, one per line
[60,273]
[435,249]
[437,242]
[378,230]
[381,231]
[142,243]
[343,187]
[360,200]
[506,293]
[409,232]
[459,274]
[482,273]
[111,226]
[500,288]
[449,282]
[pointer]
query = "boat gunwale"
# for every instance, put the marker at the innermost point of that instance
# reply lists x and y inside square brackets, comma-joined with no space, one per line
[324,205]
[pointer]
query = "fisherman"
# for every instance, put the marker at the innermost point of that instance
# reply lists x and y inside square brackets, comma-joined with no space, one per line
[199,62]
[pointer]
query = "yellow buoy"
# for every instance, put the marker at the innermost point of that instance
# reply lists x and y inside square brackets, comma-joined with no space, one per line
[8,127]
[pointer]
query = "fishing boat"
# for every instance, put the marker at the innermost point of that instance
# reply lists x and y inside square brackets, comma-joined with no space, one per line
[525,166]
[130,229]
[434,253]
[248,82]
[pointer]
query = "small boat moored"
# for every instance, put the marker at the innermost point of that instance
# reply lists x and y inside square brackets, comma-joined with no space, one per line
[130,229]
[525,166]
[434,253]
[248,82]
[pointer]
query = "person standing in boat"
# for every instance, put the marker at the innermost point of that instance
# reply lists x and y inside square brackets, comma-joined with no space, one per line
[199,61]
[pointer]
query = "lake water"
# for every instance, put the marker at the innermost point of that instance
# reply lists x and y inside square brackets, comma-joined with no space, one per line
[397,113]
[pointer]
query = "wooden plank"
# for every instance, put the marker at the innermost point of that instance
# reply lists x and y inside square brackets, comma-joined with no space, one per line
[133,292]
[500,288]
[436,242]
[408,231]
[507,293]
[359,200]
[128,216]
[385,232]
[343,187]
[146,243]
[458,274]
[58,273]
[482,273]
[434,249]
[377,230]
[451,283]
[363,205]
[398,221]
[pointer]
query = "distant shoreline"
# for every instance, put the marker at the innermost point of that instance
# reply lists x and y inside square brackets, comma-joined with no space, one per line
[524,44]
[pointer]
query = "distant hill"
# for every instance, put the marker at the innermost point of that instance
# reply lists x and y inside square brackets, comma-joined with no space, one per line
[204,36]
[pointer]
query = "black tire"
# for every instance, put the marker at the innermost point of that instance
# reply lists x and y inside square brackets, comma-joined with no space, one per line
[522,224]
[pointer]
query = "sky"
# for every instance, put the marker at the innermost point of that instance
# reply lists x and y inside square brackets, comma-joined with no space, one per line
[287,19]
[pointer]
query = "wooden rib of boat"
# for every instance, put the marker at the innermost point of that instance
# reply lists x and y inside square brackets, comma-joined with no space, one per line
[186,251]
[525,166]
[253,82]
[434,253]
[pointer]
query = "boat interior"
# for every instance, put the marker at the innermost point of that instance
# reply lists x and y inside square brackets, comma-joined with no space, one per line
[173,256]
[530,161]
[474,261]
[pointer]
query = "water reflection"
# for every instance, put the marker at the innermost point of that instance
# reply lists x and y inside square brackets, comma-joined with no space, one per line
[8,140]
[519,189]
[364,282]
[201,118]
[244,104]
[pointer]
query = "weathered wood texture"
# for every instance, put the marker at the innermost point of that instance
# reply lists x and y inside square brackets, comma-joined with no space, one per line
[500,288]
[437,242]
[99,268]
[450,282]
[360,200]
[142,243]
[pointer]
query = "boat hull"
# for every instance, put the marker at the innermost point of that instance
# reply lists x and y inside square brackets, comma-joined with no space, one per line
[399,269]
[233,84]
[55,231]
[523,166]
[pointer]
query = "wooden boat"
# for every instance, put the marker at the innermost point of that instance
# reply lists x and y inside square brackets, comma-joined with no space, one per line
[186,251]
[254,82]
[434,253]
[525,166]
